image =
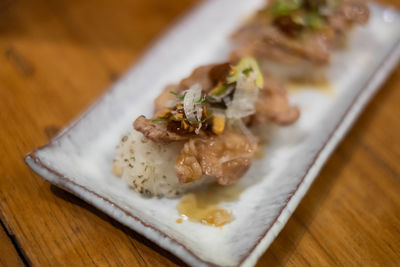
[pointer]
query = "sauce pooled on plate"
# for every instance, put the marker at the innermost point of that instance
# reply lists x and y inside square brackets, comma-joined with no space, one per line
[203,206]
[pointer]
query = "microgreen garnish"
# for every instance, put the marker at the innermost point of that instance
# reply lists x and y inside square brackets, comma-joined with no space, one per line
[314,21]
[173,117]
[221,91]
[285,7]
[201,121]
[301,13]
[201,100]
[247,71]
[180,97]
[162,119]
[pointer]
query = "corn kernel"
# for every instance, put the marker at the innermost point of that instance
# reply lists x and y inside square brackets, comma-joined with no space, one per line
[163,113]
[184,125]
[218,125]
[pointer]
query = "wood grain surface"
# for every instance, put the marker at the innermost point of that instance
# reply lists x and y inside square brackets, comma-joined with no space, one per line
[8,252]
[57,57]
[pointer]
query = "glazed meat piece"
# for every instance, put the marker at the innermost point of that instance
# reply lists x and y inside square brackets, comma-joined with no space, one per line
[201,127]
[348,13]
[310,22]
[199,75]
[293,40]
[265,41]
[189,116]
[273,105]
[165,97]
[288,63]
[157,132]
[226,157]
[207,76]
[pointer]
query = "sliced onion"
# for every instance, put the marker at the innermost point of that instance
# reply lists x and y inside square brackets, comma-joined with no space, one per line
[245,97]
[227,100]
[193,110]
[197,130]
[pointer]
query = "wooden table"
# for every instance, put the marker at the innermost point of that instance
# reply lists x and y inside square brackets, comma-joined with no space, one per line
[57,57]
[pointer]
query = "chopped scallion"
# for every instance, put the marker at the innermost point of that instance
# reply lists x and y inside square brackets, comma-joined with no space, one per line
[180,97]
[247,71]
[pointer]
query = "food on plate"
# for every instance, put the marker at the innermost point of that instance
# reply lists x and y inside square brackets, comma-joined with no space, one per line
[201,130]
[293,39]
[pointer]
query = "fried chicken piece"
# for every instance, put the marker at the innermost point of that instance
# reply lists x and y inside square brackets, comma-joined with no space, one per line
[208,76]
[265,41]
[199,75]
[165,97]
[350,12]
[226,157]
[273,105]
[155,131]
[294,51]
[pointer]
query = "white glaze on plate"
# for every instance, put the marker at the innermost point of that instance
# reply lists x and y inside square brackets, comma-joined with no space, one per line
[79,159]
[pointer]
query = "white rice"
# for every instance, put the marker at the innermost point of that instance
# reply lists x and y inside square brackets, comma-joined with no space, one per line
[149,167]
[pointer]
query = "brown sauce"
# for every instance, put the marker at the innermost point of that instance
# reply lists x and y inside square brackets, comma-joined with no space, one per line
[324,87]
[203,206]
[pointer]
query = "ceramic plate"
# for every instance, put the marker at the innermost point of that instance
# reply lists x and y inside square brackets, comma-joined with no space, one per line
[79,158]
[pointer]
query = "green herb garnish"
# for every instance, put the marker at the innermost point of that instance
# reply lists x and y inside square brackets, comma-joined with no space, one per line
[314,21]
[221,91]
[172,117]
[180,97]
[201,121]
[247,71]
[162,119]
[285,7]
[201,100]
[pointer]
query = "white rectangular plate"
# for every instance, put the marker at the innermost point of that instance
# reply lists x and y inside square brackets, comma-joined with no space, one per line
[79,159]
